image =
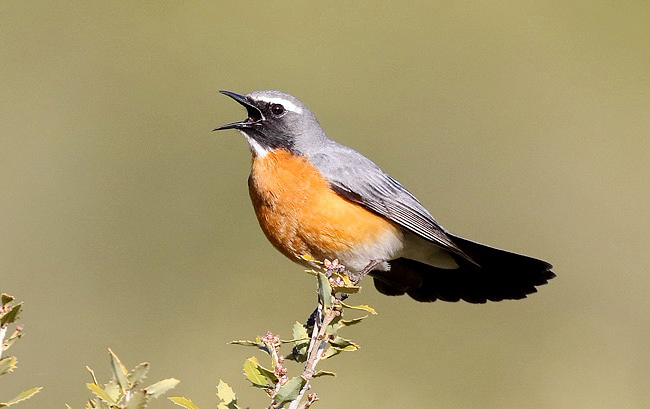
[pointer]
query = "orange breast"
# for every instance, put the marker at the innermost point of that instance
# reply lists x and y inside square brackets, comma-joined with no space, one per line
[302,216]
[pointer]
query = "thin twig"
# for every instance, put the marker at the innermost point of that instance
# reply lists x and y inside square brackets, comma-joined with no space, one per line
[272,343]
[3,332]
[316,347]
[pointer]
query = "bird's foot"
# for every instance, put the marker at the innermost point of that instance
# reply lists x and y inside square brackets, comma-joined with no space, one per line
[357,277]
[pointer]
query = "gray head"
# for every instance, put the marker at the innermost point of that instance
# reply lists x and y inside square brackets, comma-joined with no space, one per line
[277,121]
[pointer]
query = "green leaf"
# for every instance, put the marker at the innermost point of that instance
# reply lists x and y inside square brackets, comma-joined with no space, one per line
[269,374]
[331,352]
[161,387]
[290,390]
[295,356]
[310,259]
[6,298]
[254,375]
[346,289]
[312,272]
[21,397]
[324,291]
[225,392]
[343,344]
[339,323]
[100,393]
[113,390]
[184,402]
[119,371]
[299,332]
[17,334]
[8,364]
[138,374]
[347,323]
[301,343]
[365,308]
[257,343]
[11,315]
[324,373]
[138,400]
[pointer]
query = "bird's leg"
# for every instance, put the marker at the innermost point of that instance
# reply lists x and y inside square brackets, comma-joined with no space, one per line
[356,279]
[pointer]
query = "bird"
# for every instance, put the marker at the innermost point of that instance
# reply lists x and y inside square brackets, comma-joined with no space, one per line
[316,199]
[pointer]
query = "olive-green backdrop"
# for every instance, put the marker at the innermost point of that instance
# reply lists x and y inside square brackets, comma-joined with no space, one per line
[125,222]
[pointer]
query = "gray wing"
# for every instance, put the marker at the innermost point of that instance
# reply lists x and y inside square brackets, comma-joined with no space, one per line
[358,179]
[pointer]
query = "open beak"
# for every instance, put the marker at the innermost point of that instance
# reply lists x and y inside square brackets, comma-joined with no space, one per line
[254,114]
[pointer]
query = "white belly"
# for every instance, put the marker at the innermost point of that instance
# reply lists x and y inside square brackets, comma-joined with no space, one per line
[386,247]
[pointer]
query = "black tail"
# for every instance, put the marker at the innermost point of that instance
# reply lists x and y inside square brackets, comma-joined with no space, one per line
[502,276]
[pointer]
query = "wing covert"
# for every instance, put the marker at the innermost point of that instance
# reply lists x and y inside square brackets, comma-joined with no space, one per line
[358,179]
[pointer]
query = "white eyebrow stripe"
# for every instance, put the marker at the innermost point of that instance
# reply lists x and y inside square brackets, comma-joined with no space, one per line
[288,105]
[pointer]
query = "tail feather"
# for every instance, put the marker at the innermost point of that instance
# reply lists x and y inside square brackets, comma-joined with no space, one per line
[501,275]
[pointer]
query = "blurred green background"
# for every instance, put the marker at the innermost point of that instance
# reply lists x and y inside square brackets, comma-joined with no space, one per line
[126,223]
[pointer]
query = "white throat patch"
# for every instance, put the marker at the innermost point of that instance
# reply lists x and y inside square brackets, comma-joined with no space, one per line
[255,147]
[288,105]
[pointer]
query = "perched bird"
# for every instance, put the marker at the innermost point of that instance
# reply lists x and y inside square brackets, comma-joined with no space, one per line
[315,198]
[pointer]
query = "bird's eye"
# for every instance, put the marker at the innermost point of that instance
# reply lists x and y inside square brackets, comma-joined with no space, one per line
[277,109]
